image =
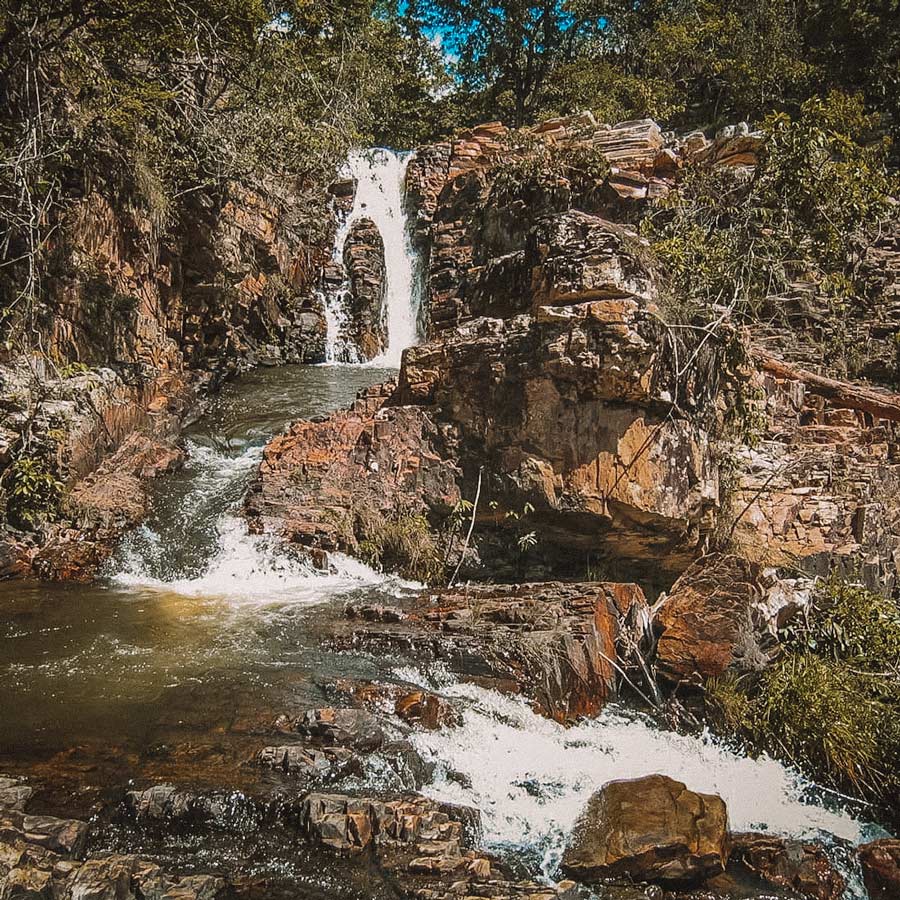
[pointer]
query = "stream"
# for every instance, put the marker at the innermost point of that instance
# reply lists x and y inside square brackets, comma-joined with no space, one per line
[200,634]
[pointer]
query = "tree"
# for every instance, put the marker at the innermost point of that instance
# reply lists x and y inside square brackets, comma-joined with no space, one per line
[506,50]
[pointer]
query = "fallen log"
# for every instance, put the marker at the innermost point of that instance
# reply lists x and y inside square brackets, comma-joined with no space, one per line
[881,404]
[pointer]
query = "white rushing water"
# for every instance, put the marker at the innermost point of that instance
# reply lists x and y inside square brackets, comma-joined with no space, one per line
[227,560]
[380,177]
[531,777]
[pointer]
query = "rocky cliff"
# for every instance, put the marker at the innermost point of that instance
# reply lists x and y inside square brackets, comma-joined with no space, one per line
[597,433]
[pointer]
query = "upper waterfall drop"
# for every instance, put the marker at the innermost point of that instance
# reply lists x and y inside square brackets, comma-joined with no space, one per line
[380,177]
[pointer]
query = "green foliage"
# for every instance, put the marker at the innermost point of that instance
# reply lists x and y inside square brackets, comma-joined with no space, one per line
[831,703]
[151,102]
[33,493]
[736,238]
[532,167]
[507,50]
[403,543]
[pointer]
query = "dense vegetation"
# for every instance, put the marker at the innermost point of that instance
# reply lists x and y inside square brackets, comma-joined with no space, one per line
[829,702]
[165,98]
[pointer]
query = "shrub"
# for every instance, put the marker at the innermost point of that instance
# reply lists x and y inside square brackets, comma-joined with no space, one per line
[33,493]
[831,703]
[402,542]
[744,238]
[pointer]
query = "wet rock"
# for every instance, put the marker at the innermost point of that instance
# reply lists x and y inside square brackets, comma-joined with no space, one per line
[649,829]
[27,884]
[709,621]
[330,727]
[14,793]
[796,865]
[68,836]
[374,613]
[167,806]
[880,862]
[351,824]
[425,710]
[309,762]
[556,642]
[131,878]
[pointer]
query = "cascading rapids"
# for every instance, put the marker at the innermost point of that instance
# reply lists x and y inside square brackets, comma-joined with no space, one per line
[380,177]
[205,549]
[531,777]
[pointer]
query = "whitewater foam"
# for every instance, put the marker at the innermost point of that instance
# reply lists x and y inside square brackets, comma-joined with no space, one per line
[531,777]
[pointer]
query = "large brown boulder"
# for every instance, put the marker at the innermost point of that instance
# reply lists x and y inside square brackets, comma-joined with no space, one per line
[649,829]
[880,862]
[707,623]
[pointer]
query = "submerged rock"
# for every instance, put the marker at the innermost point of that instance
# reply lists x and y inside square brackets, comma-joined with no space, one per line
[649,829]
[330,727]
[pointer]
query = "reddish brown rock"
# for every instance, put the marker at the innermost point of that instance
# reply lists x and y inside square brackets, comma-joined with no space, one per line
[707,623]
[314,480]
[425,710]
[880,862]
[795,865]
[554,642]
[649,829]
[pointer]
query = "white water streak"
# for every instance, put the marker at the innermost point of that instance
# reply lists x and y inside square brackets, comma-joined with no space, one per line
[531,777]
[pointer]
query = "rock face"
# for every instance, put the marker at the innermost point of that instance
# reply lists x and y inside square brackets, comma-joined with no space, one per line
[816,491]
[356,462]
[649,829]
[795,865]
[139,321]
[710,620]
[364,265]
[880,862]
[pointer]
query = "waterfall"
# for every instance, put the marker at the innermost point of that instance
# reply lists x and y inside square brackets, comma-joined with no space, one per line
[380,177]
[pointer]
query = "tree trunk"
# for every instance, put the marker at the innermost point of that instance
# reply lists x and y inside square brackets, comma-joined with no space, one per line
[879,403]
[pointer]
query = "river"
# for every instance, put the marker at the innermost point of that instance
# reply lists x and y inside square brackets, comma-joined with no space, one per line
[173,666]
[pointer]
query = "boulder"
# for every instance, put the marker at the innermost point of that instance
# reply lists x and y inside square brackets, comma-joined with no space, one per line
[708,622]
[649,829]
[880,861]
[795,865]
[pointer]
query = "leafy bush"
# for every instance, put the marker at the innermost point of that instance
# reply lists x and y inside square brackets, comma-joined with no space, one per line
[532,166]
[745,238]
[33,493]
[831,703]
